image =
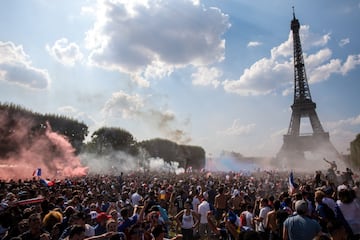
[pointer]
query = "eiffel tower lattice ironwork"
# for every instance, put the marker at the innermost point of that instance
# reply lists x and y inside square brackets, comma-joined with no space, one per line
[296,144]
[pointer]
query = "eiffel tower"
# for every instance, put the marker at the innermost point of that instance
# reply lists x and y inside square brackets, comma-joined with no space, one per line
[296,144]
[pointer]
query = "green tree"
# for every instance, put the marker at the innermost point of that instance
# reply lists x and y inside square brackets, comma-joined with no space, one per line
[172,152]
[194,156]
[108,139]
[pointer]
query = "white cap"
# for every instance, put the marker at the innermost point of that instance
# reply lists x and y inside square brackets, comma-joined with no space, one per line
[205,195]
[342,187]
[93,214]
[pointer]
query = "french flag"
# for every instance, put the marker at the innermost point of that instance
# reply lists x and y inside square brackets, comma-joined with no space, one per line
[46,183]
[292,184]
[37,172]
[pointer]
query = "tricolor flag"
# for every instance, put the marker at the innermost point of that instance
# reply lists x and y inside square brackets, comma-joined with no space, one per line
[37,172]
[46,183]
[292,184]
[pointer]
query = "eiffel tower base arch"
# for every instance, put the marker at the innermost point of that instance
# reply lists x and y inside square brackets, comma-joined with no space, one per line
[306,153]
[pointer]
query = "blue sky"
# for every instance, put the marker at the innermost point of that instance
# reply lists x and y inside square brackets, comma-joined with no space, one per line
[216,73]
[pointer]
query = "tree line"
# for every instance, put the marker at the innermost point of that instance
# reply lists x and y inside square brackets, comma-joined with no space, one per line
[20,127]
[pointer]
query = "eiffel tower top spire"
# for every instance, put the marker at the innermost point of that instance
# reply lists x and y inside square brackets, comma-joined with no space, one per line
[293,11]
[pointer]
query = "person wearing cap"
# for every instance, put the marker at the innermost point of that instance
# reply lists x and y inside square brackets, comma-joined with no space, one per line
[299,226]
[93,215]
[101,220]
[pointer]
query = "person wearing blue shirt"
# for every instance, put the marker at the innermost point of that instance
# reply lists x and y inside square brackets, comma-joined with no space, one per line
[299,226]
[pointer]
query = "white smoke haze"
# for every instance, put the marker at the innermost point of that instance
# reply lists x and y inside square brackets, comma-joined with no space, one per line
[314,160]
[118,161]
[158,164]
[112,163]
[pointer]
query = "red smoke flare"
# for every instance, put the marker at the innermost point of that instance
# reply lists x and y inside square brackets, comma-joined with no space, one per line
[27,151]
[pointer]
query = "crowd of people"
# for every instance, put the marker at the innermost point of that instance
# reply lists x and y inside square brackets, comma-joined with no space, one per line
[194,205]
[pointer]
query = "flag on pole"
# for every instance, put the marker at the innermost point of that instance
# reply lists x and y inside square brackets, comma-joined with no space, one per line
[46,183]
[37,172]
[292,184]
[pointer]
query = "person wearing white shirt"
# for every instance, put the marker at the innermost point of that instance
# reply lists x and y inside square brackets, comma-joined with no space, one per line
[195,202]
[203,210]
[261,219]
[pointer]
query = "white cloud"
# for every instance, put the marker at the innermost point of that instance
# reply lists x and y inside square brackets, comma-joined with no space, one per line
[254,44]
[149,36]
[80,116]
[351,62]
[285,49]
[238,129]
[138,108]
[323,72]
[140,80]
[322,41]
[269,75]
[344,41]
[123,105]
[64,52]
[16,67]
[310,39]
[262,78]
[343,131]
[206,77]
[353,121]
[67,109]
[318,58]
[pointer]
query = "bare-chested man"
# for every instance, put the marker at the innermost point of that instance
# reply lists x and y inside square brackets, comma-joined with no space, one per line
[220,203]
[236,202]
[272,222]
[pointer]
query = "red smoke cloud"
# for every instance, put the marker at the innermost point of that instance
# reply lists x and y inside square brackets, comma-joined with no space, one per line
[30,150]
